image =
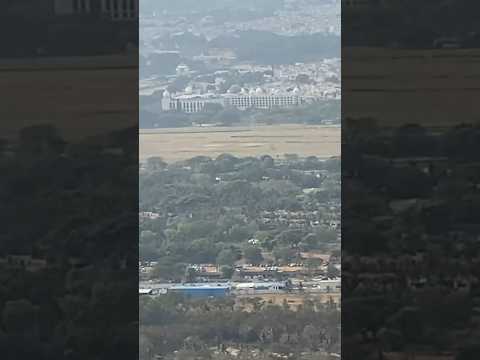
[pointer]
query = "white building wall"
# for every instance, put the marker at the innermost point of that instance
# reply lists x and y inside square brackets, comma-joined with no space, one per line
[194,105]
[263,102]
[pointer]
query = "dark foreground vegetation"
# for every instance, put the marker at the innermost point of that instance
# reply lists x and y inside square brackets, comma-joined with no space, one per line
[68,280]
[178,328]
[410,251]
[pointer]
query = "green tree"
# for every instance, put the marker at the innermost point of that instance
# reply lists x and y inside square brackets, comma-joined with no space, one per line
[41,139]
[309,242]
[18,317]
[290,237]
[332,270]
[253,255]
[155,163]
[169,268]
[470,353]
[190,274]
[227,271]
[310,336]
[326,235]
[226,257]
[284,254]
[239,233]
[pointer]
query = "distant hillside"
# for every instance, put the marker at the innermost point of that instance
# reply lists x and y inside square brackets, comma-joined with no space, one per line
[262,47]
[270,48]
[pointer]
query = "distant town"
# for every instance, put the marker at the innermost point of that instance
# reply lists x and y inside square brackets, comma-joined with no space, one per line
[195,65]
[279,89]
[240,225]
[263,266]
[251,235]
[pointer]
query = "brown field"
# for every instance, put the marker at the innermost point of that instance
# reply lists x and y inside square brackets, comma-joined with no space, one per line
[81,96]
[184,143]
[431,87]
[293,300]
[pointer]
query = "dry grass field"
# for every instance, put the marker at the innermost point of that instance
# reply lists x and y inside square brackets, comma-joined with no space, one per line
[432,87]
[293,300]
[81,96]
[184,143]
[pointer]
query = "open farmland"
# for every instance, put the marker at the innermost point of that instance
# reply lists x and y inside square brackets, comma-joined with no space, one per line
[81,96]
[437,87]
[180,144]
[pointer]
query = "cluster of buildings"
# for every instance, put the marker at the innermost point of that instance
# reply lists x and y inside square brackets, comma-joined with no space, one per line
[252,288]
[249,280]
[299,219]
[212,70]
[304,273]
[149,215]
[280,89]
[321,72]
[202,290]
[253,99]
[298,17]
[281,86]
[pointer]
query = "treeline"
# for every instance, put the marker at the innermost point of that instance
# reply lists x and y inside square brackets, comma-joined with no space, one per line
[209,209]
[269,48]
[312,114]
[65,206]
[373,157]
[410,193]
[196,328]
[260,47]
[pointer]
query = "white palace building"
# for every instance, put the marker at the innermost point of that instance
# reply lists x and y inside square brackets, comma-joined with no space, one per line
[193,103]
